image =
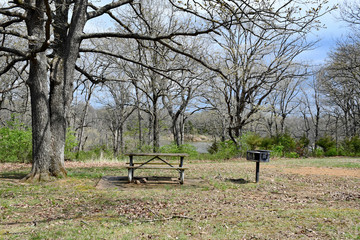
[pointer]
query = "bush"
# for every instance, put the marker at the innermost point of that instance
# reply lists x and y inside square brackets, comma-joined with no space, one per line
[227,150]
[318,152]
[15,142]
[331,152]
[351,146]
[277,151]
[214,147]
[184,148]
[292,155]
[302,146]
[286,141]
[250,141]
[70,143]
[267,143]
[223,150]
[280,145]
[326,143]
[96,152]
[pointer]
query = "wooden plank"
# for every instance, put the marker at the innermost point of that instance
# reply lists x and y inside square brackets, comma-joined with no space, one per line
[158,154]
[155,167]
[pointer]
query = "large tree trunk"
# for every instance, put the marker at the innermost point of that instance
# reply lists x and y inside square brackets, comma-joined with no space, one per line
[39,92]
[41,135]
[61,83]
[58,117]
[50,109]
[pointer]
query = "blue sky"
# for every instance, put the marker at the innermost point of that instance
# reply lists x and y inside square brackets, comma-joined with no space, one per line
[334,30]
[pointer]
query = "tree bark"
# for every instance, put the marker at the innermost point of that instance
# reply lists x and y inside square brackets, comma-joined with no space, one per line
[40,119]
[39,92]
[155,128]
[61,84]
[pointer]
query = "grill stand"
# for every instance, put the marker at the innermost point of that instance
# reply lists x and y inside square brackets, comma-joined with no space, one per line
[257,172]
[258,156]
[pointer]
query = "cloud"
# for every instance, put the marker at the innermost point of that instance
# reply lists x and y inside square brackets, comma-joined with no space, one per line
[334,30]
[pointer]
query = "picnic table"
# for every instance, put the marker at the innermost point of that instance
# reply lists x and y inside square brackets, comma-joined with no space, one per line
[156,161]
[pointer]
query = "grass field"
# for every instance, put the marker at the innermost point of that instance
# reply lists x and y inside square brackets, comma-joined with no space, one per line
[295,199]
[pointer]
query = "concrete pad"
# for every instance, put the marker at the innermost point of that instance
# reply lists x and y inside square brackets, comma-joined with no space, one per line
[121,183]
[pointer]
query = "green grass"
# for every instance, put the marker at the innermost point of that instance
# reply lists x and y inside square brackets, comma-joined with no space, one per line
[229,205]
[337,162]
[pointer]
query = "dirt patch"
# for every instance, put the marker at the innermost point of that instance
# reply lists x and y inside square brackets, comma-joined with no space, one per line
[338,172]
[122,183]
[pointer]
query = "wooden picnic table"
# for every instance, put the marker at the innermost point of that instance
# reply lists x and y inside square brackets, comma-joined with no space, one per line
[156,161]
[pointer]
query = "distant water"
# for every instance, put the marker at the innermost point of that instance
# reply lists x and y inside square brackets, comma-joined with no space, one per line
[201,147]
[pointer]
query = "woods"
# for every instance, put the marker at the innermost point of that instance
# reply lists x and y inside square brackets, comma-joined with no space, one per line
[166,68]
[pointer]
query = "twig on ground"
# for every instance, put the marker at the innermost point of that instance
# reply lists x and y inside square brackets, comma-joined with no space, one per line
[168,218]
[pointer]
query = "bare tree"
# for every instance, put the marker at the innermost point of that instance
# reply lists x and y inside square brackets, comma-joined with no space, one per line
[311,106]
[283,101]
[119,108]
[54,31]
[53,34]
[253,64]
[341,81]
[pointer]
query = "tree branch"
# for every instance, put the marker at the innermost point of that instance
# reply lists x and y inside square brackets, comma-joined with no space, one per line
[100,11]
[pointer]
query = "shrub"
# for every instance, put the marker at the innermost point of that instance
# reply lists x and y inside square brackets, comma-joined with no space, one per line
[184,148]
[301,146]
[223,150]
[250,141]
[331,152]
[351,146]
[95,152]
[277,151]
[292,155]
[70,143]
[15,142]
[213,148]
[227,150]
[267,143]
[326,143]
[286,141]
[318,152]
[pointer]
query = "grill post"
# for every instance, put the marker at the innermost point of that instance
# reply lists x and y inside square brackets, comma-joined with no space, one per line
[257,172]
[258,156]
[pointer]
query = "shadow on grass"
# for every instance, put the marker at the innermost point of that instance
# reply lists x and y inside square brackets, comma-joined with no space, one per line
[149,182]
[12,175]
[238,181]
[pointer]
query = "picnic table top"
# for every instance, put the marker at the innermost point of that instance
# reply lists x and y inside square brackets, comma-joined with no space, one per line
[158,154]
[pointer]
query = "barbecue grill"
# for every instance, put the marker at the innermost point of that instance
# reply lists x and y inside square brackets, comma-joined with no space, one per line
[258,156]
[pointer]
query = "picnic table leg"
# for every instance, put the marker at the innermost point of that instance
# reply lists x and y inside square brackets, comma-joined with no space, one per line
[131,170]
[181,162]
[182,175]
[130,175]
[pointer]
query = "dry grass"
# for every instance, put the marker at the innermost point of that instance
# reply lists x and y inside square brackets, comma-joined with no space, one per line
[284,205]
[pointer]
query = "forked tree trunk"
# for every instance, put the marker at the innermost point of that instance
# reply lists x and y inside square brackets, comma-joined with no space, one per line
[39,92]
[49,114]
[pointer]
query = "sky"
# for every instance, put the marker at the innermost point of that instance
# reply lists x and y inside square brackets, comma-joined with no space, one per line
[334,30]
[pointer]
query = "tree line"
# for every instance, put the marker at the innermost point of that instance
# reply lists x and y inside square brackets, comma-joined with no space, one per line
[235,65]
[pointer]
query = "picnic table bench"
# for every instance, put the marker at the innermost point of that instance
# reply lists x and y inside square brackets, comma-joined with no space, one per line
[156,161]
